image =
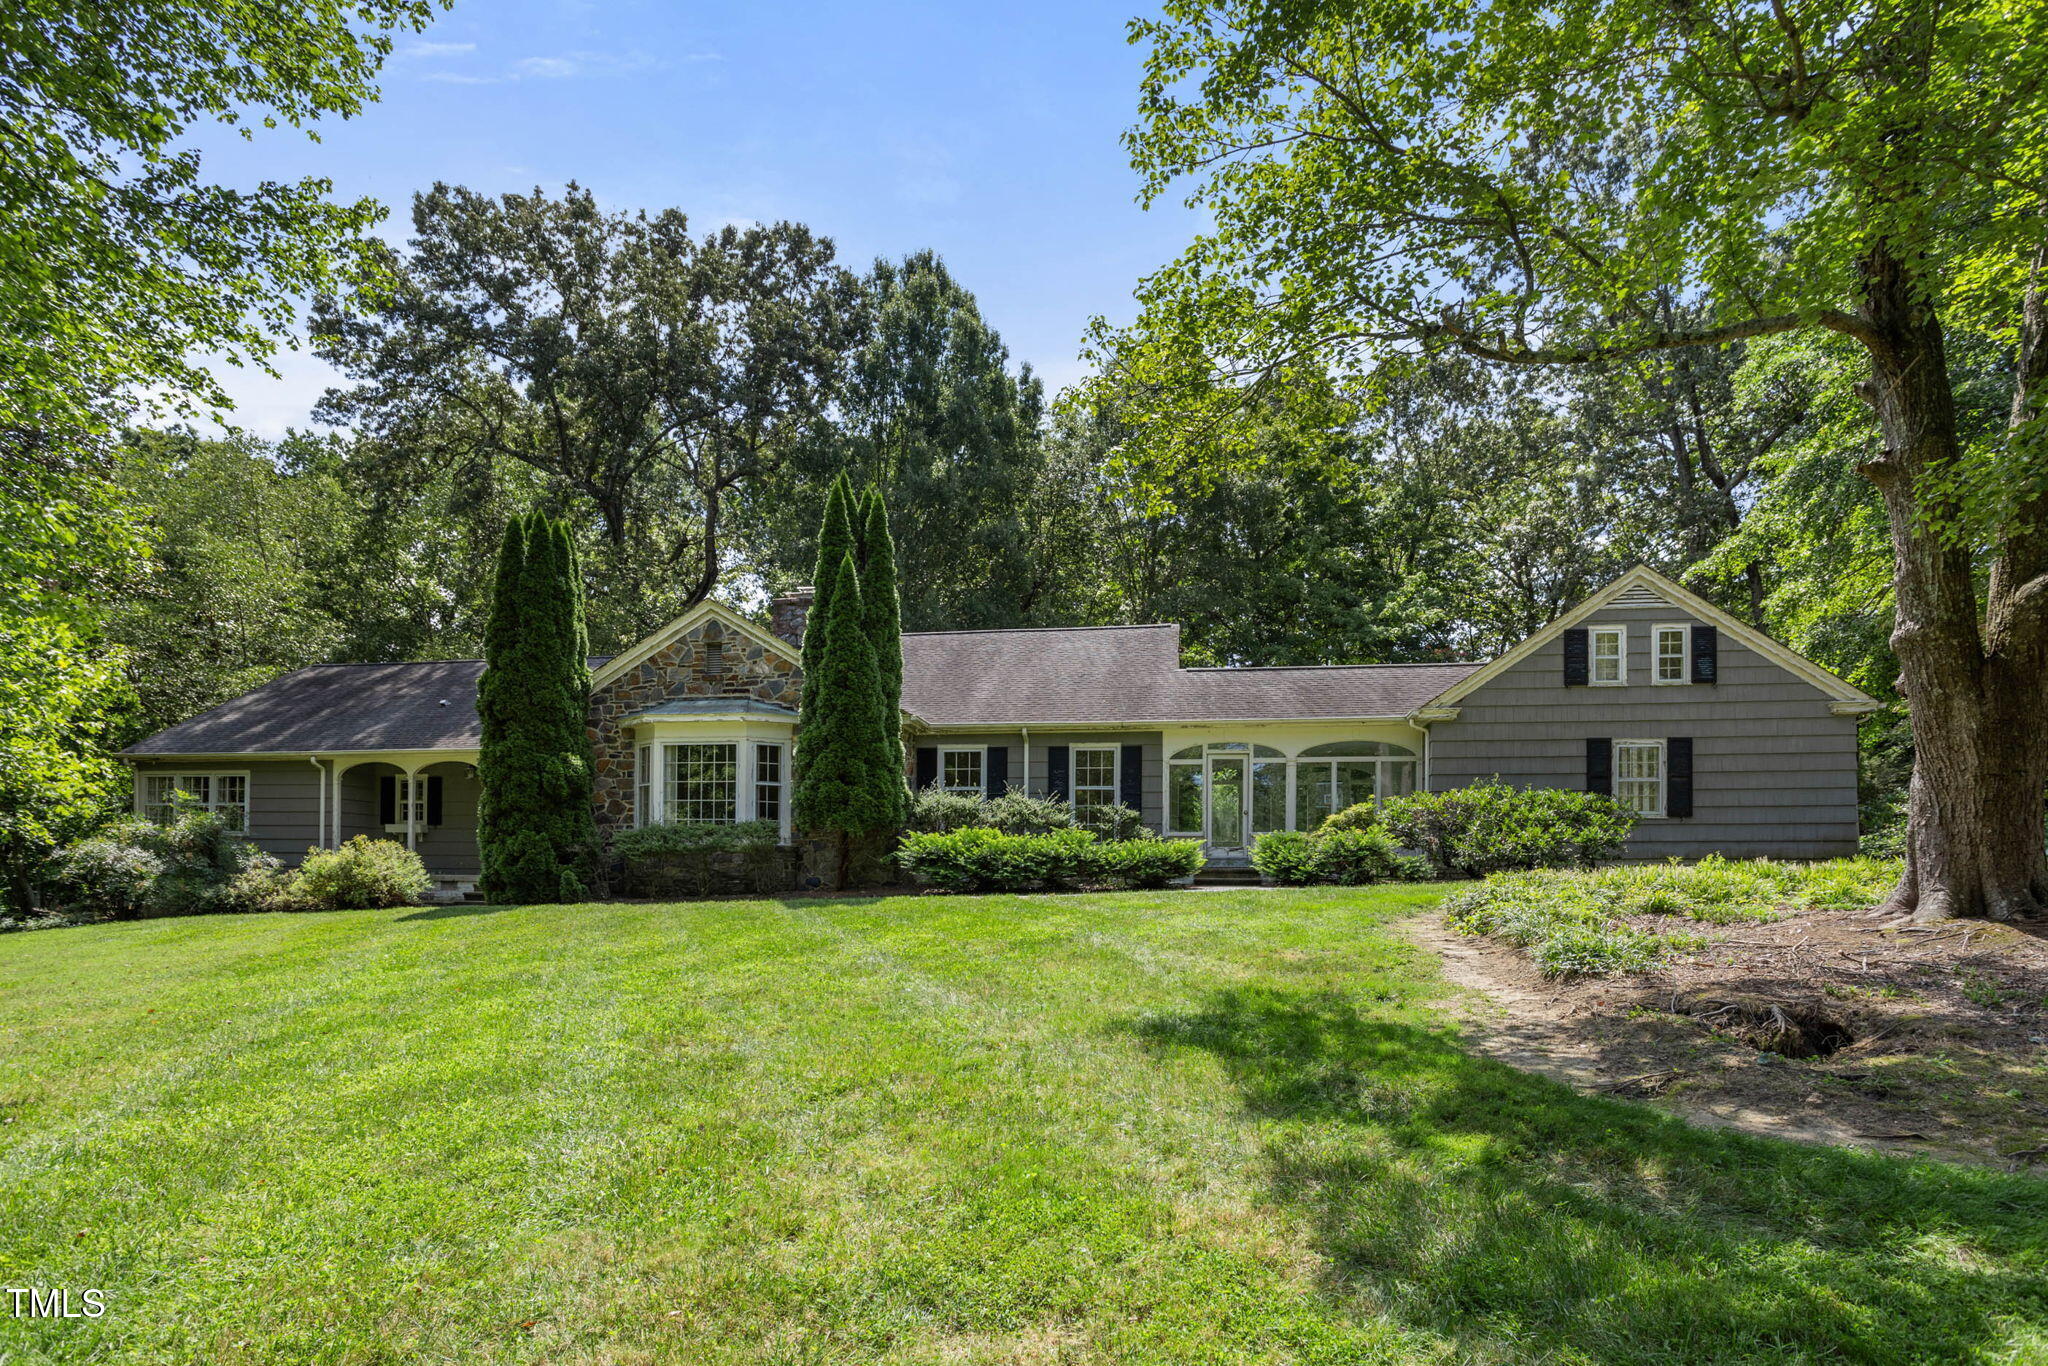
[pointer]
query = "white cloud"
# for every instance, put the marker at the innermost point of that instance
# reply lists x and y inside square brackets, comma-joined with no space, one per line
[436,49]
[550,68]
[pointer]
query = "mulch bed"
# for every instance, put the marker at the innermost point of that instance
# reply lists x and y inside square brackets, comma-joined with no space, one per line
[1827,1026]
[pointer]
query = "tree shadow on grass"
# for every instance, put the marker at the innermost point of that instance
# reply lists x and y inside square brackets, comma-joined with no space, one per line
[1521,1220]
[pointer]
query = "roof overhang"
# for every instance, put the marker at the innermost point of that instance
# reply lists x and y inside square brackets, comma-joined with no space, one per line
[1161,724]
[1840,692]
[442,755]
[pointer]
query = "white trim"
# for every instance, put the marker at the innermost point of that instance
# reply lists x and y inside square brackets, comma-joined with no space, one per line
[1663,775]
[1616,631]
[1684,629]
[247,804]
[638,652]
[1682,600]
[981,752]
[1115,753]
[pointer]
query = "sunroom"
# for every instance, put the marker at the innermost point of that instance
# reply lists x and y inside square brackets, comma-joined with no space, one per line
[1230,789]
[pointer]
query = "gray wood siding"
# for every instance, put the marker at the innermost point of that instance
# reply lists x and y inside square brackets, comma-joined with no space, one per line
[1154,811]
[1774,772]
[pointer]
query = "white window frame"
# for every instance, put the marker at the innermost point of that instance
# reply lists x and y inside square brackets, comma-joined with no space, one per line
[756,784]
[643,783]
[1663,779]
[980,753]
[411,790]
[143,804]
[1594,635]
[742,755]
[1074,786]
[1657,655]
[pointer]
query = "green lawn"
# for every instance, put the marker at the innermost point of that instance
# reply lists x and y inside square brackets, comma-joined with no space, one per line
[1184,1127]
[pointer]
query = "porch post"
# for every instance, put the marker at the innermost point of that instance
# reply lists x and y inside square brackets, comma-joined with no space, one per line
[412,814]
[335,806]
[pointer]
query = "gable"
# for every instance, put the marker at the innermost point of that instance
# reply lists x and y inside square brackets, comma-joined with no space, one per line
[778,653]
[1641,599]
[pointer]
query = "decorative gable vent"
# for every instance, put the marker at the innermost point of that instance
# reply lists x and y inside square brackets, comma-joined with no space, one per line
[1638,596]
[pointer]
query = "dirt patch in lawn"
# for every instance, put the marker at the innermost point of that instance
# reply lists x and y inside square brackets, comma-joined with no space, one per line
[1825,1026]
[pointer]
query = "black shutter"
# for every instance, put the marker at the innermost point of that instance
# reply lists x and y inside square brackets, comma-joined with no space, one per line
[998,769]
[1575,657]
[1056,772]
[434,800]
[387,800]
[1600,767]
[1706,648]
[1678,775]
[1130,777]
[927,765]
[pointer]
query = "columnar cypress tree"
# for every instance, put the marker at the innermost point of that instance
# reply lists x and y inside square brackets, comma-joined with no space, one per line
[850,782]
[535,828]
[882,609]
[835,541]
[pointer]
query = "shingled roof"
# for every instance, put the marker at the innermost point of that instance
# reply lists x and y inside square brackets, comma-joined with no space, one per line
[1082,675]
[1125,675]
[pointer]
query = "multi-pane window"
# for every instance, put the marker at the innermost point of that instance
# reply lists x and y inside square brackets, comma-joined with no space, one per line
[1671,654]
[768,782]
[1094,784]
[409,801]
[643,783]
[1610,654]
[960,770]
[224,794]
[703,784]
[1184,786]
[1639,776]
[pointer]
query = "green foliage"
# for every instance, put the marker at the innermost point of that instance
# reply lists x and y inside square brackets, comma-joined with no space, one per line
[1016,812]
[1145,863]
[1287,857]
[654,378]
[883,612]
[364,874]
[681,837]
[1583,922]
[193,865]
[1118,822]
[536,833]
[1347,855]
[933,810]
[847,782]
[1491,827]
[835,541]
[1363,816]
[979,859]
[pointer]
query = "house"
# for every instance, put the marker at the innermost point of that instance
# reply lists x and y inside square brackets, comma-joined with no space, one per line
[1720,738]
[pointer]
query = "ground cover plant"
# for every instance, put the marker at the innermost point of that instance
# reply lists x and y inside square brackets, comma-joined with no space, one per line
[1124,1128]
[1623,918]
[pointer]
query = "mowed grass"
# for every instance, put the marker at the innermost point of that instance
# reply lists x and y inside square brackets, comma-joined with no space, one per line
[1177,1128]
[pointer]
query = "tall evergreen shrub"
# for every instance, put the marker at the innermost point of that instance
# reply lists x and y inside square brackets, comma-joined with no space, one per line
[882,611]
[535,828]
[835,542]
[849,782]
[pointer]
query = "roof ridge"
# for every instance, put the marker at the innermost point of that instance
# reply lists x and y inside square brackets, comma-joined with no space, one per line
[1028,630]
[1279,668]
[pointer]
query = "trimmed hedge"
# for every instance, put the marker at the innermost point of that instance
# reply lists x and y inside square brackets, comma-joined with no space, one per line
[683,837]
[979,859]
[1347,856]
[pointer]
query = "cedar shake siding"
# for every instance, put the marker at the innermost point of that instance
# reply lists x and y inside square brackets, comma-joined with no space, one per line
[1773,770]
[705,663]
[1010,743]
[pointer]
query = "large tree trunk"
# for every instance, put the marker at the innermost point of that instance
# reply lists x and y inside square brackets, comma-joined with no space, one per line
[1977,687]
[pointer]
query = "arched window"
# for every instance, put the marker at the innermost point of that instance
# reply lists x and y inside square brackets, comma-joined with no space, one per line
[1335,776]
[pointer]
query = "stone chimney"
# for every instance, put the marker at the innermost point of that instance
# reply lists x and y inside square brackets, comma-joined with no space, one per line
[786,614]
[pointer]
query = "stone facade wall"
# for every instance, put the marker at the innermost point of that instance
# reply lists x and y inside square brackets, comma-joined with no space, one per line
[709,661]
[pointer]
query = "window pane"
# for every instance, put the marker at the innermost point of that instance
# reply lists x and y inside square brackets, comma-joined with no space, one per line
[1638,778]
[1094,768]
[768,782]
[1607,656]
[1356,783]
[1191,752]
[703,784]
[643,808]
[1671,655]
[231,800]
[1269,797]
[1397,780]
[1311,795]
[960,770]
[156,797]
[1184,798]
[1358,749]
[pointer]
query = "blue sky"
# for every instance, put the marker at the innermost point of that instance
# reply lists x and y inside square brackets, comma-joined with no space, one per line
[989,133]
